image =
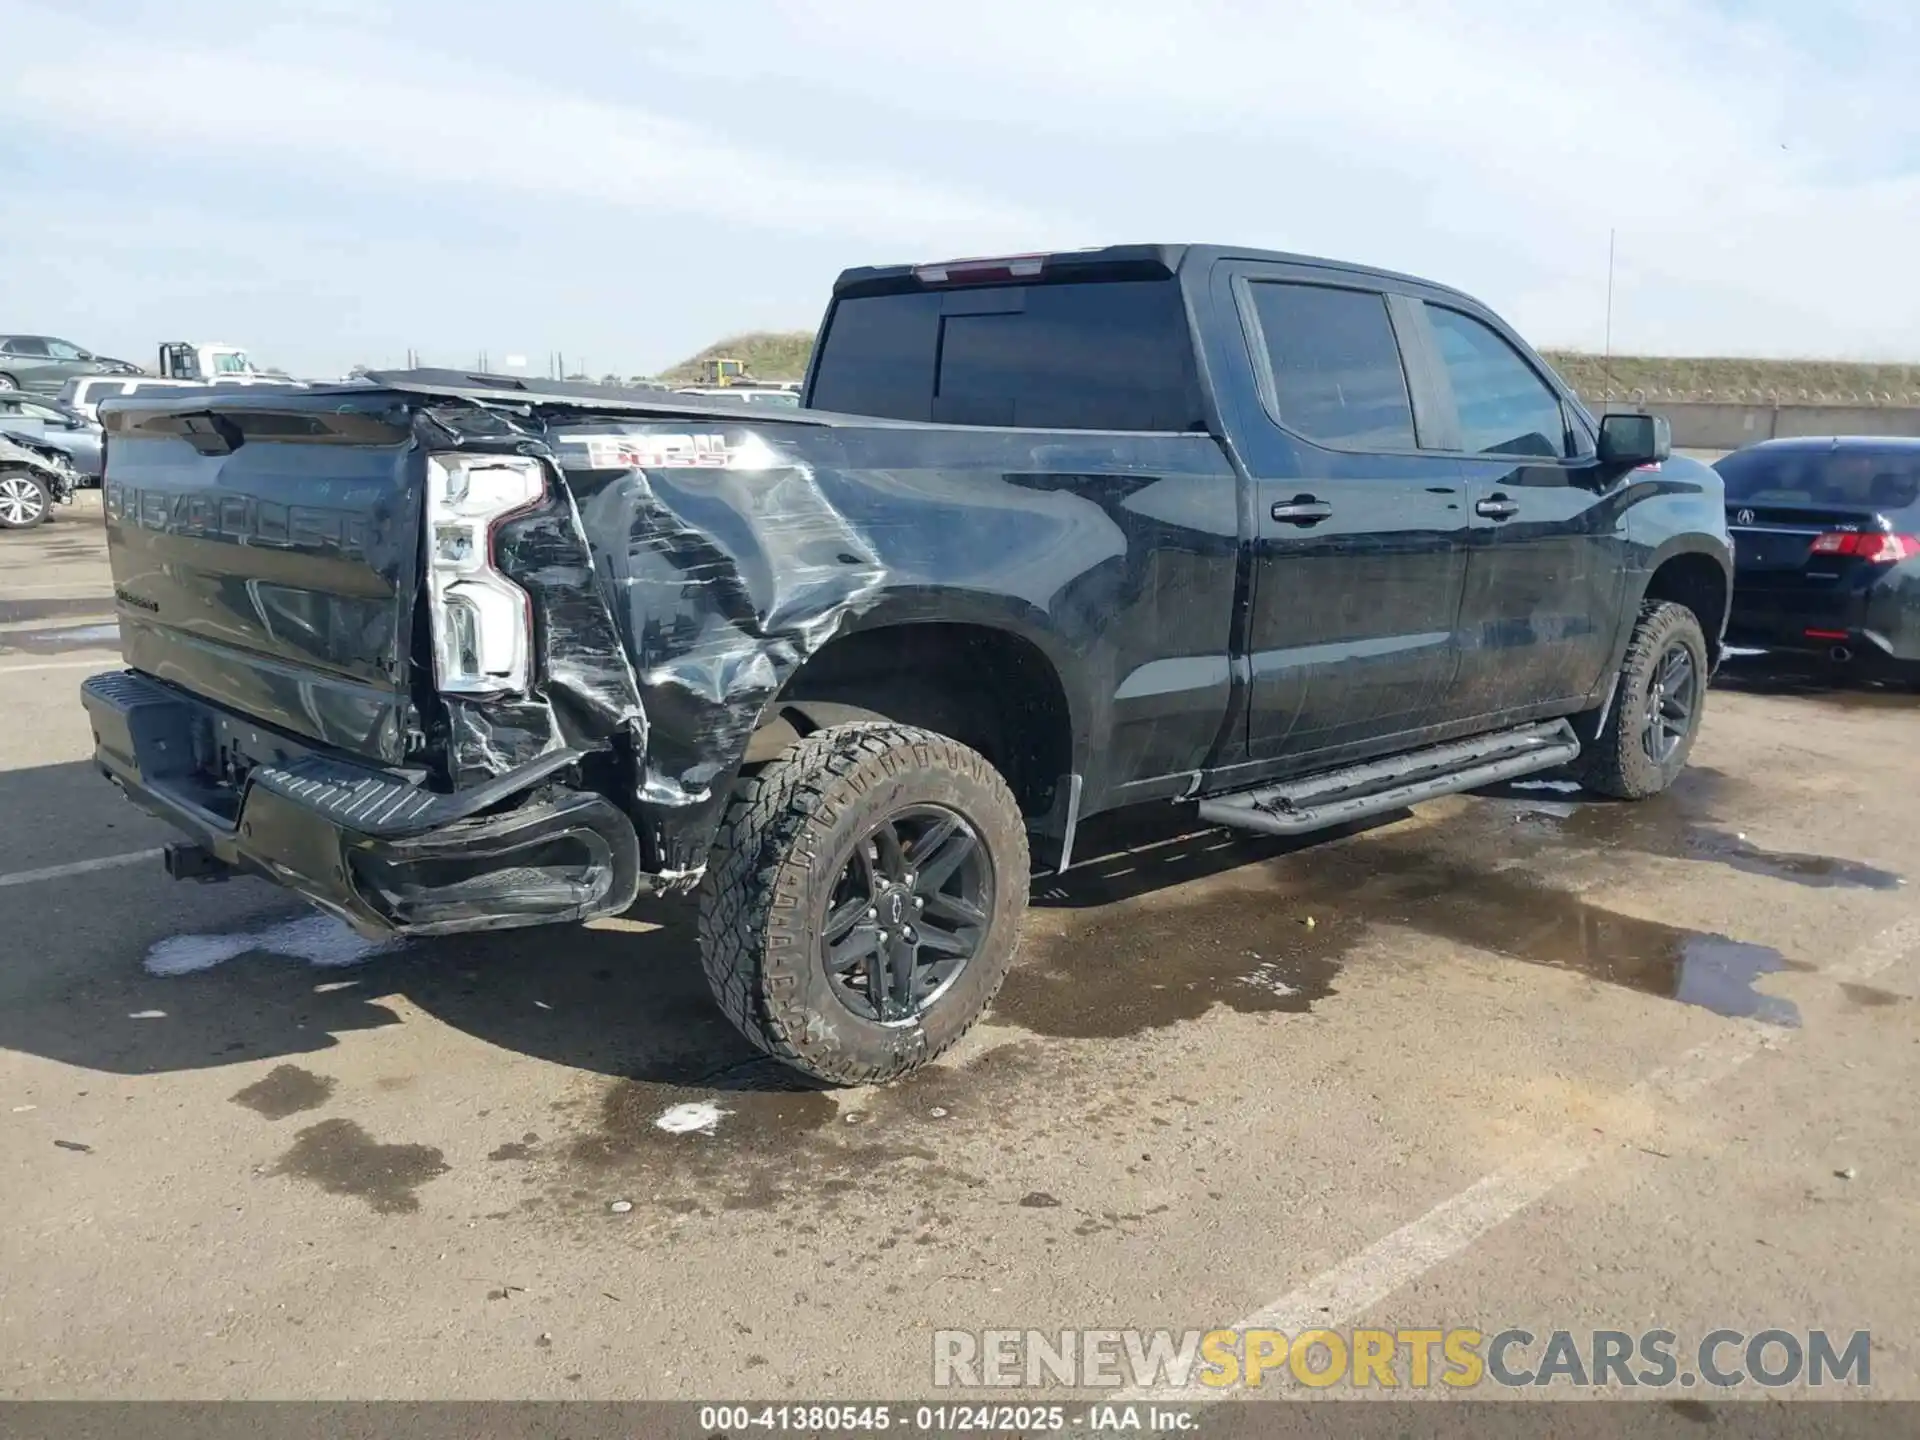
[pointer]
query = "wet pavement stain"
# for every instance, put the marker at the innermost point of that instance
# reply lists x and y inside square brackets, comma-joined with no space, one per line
[778,1140]
[1841,689]
[1246,945]
[521,1149]
[15,612]
[1871,997]
[61,639]
[342,1159]
[286,1090]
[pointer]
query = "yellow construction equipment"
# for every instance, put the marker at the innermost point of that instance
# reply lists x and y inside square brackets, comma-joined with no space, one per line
[723,370]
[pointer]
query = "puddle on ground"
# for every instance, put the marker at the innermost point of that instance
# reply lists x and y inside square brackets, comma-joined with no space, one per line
[1661,826]
[342,1159]
[1244,941]
[286,1090]
[60,639]
[1147,967]
[1678,826]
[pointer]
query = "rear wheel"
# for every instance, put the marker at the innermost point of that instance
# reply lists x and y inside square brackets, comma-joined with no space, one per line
[1656,709]
[24,500]
[7,382]
[863,899]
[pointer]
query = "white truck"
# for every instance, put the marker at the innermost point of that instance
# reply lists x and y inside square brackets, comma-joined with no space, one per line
[181,363]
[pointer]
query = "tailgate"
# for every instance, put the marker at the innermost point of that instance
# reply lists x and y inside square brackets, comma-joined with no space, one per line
[265,556]
[1773,544]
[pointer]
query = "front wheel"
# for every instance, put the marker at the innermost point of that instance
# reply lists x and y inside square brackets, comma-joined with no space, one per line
[1656,710]
[863,899]
[24,500]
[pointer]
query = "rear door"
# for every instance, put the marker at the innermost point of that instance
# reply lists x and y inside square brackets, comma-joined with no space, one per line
[1359,534]
[25,358]
[1548,561]
[65,361]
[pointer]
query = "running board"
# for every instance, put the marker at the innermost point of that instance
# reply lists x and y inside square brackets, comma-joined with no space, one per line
[1337,797]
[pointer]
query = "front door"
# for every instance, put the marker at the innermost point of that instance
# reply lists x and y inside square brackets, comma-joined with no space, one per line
[1359,538]
[1541,611]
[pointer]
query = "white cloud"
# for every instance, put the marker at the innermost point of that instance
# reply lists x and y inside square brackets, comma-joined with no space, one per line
[1510,138]
[328,99]
[1762,169]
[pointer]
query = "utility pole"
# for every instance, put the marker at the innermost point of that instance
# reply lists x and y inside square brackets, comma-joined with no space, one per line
[1606,364]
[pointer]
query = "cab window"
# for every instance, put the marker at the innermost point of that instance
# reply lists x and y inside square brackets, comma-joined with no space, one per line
[1504,407]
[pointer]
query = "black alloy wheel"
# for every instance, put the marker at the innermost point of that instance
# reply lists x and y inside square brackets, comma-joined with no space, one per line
[1672,700]
[907,914]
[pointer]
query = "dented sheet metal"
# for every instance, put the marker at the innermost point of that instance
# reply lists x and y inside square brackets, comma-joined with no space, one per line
[733,554]
[48,463]
[727,565]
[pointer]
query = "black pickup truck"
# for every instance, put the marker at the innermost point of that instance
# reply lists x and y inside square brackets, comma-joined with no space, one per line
[1298,541]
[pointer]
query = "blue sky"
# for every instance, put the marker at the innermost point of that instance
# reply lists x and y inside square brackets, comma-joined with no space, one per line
[337,181]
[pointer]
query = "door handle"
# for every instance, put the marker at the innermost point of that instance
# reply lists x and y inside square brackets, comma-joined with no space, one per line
[1302,510]
[1497,508]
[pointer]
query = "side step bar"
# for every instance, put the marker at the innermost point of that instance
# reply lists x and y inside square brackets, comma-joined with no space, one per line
[1337,797]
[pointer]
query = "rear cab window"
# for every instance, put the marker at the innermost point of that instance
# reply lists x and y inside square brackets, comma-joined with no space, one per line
[1077,355]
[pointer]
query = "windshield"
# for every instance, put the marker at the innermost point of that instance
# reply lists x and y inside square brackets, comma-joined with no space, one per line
[231,362]
[1868,479]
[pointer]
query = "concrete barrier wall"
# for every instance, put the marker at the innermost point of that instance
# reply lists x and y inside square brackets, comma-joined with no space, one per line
[1723,425]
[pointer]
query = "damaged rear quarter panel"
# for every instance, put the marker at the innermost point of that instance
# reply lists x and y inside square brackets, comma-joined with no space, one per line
[731,554]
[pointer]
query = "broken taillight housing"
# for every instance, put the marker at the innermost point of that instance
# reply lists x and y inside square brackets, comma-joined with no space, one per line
[482,621]
[1876,547]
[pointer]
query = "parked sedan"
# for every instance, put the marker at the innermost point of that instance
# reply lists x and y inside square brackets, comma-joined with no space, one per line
[43,363]
[52,423]
[1827,549]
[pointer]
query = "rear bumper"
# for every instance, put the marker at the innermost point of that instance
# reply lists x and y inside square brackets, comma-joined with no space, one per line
[375,848]
[1880,621]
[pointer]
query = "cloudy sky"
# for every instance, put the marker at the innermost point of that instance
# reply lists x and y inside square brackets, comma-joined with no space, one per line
[626,180]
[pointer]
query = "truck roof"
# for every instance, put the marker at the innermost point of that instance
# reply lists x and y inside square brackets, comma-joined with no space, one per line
[1105,262]
[464,385]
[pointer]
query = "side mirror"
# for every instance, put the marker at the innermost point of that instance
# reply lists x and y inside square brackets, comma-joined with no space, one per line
[1633,440]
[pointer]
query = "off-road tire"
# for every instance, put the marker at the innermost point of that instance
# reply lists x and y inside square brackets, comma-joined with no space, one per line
[776,859]
[1616,761]
[37,517]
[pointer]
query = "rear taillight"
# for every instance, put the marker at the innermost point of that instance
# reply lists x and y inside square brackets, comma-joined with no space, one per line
[482,621]
[1873,546]
[981,271]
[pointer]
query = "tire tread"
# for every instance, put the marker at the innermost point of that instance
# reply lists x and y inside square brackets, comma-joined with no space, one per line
[753,940]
